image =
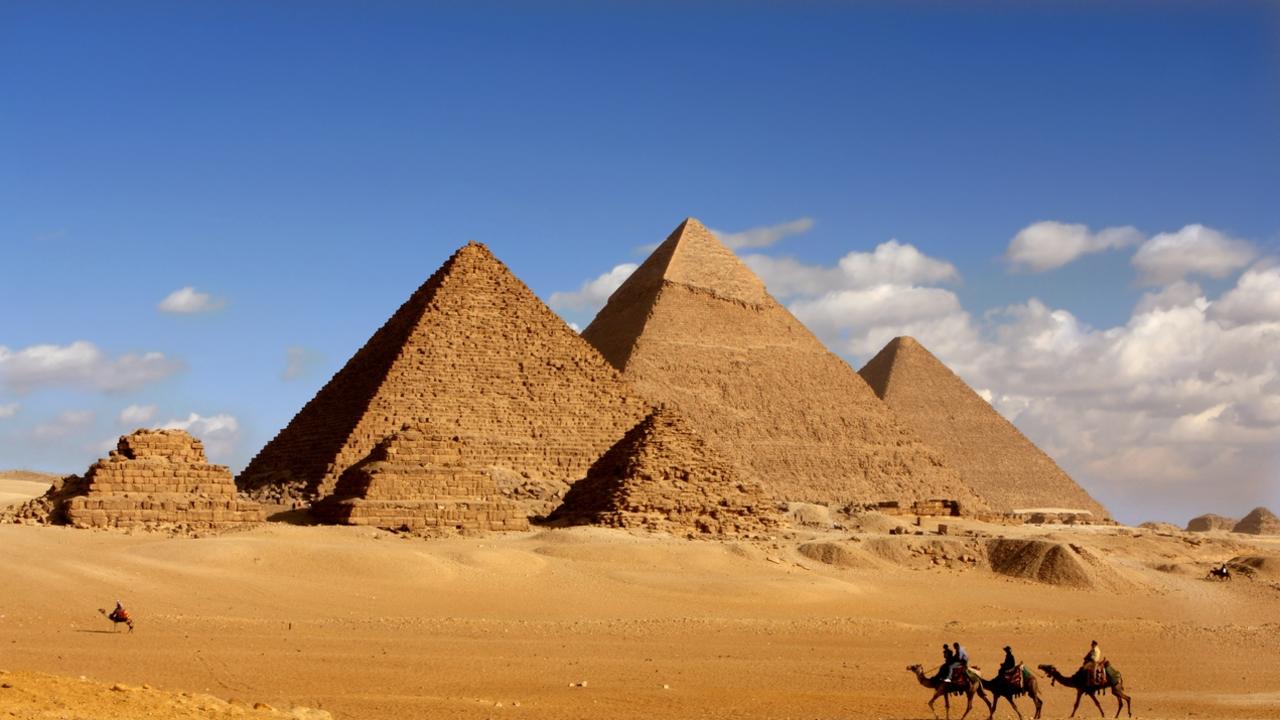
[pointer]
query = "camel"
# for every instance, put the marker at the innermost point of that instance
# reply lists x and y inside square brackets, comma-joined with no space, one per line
[1080,682]
[118,616]
[1001,688]
[943,690]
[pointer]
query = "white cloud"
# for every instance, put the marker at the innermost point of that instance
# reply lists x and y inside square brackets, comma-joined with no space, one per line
[575,327]
[67,423]
[1254,299]
[137,415]
[765,235]
[188,301]
[891,263]
[592,295]
[220,433]
[81,364]
[1047,245]
[9,410]
[299,362]
[1193,250]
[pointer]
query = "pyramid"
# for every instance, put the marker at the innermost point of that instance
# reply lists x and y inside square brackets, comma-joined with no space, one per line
[152,477]
[420,478]
[1260,521]
[993,457]
[663,476]
[1210,522]
[472,350]
[695,328]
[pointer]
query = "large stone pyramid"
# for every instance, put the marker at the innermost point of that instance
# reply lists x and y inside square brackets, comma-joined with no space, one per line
[694,327]
[475,352]
[993,457]
[422,479]
[662,475]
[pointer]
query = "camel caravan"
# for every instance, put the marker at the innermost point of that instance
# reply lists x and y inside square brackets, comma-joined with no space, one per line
[1013,679]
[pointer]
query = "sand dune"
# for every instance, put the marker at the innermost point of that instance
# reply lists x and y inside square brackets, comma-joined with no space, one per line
[366,624]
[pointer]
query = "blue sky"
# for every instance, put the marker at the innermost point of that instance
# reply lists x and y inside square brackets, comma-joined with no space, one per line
[308,165]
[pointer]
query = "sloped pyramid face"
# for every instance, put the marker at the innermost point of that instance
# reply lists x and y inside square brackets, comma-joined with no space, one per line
[473,351]
[1260,521]
[420,478]
[993,457]
[663,476]
[695,328]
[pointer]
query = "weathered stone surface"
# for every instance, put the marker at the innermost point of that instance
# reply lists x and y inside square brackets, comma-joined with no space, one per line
[695,328]
[153,477]
[472,350]
[992,456]
[1210,522]
[664,476]
[1259,521]
[421,479]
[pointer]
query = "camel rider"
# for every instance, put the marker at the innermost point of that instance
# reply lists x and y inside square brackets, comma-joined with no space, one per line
[119,614]
[944,672]
[959,659]
[1094,656]
[1009,663]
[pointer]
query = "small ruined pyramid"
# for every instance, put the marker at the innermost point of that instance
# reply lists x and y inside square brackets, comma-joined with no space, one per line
[695,328]
[1259,521]
[663,476]
[419,478]
[153,477]
[992,456]
[472,350]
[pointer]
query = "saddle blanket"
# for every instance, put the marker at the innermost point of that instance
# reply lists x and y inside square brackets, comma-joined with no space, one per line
[1014,677]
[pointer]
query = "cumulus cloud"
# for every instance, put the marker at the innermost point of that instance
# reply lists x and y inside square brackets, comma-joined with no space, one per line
[9,410]
[299,362]
[890,263]
[1047,245]
[65,424]
[1193,250]
[220,433]
[82,365]
[189,301]
[1255,298]
[765,235]
[593,293]
[137,415]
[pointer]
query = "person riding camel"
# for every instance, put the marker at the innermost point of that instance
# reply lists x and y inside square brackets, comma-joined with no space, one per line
[1009,663]
[959,661]
[944,671]
[1094,664]
[119,614]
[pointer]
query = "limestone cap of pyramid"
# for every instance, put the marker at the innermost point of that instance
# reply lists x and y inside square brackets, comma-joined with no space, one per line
[899,352]
[692,256]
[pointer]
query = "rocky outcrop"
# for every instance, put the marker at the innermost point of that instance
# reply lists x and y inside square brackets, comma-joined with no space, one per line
[1210,522]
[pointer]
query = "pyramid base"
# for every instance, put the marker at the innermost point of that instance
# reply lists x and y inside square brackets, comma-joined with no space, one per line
[735,525]
[430,514]
[140,510]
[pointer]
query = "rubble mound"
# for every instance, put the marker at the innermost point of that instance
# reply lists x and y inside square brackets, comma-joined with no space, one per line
[1210,522]
[1043,561]
[1161,527]
[663,476]
[420,479]
[837,554]
[694,327]
[49,508]
[1260,521]
[992,456]
[153,477]
[473,350]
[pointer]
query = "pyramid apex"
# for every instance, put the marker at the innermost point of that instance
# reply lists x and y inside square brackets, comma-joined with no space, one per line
[693,256]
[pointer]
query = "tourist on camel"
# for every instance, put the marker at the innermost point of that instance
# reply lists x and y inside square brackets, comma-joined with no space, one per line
[959,660]
[1093,664]
[944,670]
[1009,662]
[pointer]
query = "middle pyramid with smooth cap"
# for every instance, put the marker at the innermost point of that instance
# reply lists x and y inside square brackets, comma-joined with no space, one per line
[694,327]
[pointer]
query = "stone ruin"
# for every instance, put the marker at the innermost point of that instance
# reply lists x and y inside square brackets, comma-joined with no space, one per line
[1210,522]
[663,476]
[420,479]
[1260,521]
[474,350]
[153,477]
[694,327]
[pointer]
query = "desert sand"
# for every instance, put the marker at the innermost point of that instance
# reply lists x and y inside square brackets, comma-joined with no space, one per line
[591,622]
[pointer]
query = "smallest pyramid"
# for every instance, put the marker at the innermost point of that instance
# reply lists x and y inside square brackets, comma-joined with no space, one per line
[1259,522]
[663,476]
[421,479]
[1210,522]
[155,477]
